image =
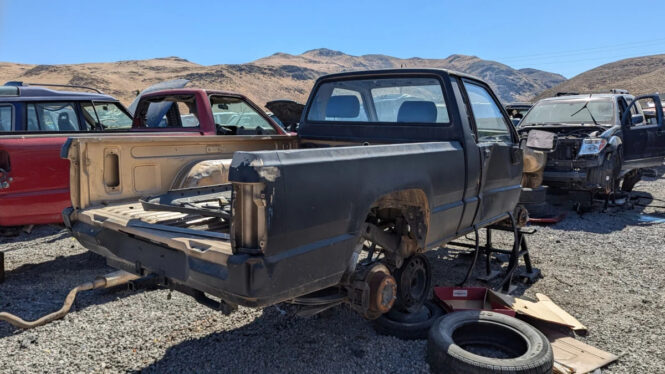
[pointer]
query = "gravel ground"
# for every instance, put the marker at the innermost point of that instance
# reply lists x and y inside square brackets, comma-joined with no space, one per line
[604,268]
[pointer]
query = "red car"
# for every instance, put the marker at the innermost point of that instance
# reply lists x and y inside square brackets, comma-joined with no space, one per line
[35,122]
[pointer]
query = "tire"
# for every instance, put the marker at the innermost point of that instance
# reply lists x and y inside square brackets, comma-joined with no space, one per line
[408,326]
[525,349]
[610,167]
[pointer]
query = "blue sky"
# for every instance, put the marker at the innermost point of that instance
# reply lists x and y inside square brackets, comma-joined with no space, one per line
[567,37]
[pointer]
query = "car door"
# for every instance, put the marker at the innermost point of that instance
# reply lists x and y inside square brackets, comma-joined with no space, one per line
[500,155]
[643,133]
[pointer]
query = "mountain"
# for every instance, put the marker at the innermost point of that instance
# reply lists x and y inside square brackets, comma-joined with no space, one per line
[278,76]
[639,75]
[510,84]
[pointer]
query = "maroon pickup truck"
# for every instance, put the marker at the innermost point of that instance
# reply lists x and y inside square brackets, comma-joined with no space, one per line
[35,122]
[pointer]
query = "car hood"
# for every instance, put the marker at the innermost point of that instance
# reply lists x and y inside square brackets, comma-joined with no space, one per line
[561,128]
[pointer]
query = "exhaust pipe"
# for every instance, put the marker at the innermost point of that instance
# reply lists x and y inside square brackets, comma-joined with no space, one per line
[109,280]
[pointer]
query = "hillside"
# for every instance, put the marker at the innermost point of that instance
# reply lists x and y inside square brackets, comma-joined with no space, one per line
[639,75]
[274,77]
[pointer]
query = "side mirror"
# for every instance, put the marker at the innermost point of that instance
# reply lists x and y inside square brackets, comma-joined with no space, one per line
[541,140]
[636,119]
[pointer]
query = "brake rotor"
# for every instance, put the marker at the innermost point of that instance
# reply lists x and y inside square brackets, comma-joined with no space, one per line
[382,291]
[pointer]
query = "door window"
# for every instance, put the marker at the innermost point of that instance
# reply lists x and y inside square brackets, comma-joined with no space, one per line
[54,117]
[6,118]
[107,116]
[490,123]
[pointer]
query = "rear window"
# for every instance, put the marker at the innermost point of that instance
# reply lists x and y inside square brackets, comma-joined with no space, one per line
[6,118]
[392,100]
[170,111]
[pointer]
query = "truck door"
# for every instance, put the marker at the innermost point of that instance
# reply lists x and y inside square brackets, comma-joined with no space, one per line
[643,132]
[500,155]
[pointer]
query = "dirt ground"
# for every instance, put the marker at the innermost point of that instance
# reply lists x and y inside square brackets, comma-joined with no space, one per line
[605,268]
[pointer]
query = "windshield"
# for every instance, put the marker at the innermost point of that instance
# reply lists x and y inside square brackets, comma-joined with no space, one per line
[238,117]
[108,115]
[571,112]
[402,100]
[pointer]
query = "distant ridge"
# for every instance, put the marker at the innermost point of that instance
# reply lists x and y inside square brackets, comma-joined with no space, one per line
[280,75]
[638,75]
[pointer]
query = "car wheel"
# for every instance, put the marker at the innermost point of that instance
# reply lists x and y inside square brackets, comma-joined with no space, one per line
[414,283]
[408,326]
[482,342]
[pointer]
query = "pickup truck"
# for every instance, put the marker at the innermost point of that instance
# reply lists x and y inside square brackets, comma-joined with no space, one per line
[602,139]
[386,165]
[35,122]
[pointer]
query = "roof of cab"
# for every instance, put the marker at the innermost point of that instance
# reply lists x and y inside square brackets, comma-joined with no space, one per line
[361,73]
[36,93]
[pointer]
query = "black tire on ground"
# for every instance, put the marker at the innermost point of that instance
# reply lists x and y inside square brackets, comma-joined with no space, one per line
[507,345]
[408,326]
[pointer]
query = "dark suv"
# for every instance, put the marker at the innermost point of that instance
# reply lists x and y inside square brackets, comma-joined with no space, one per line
[602,139]
[39,109]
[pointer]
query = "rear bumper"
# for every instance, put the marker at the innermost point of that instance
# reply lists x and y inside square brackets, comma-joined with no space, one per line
[250,280]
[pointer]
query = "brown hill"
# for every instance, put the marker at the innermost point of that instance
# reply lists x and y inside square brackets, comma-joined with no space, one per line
[278,76]
[639,75]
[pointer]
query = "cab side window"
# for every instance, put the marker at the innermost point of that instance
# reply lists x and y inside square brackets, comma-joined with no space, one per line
[490,123]
[6,118]
[55,116]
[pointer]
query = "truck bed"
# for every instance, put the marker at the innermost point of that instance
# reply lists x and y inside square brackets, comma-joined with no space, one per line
[181,231]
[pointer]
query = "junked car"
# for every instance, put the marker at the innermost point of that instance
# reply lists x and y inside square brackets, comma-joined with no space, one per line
[602,139]
[339,214]
[36,121]
[517,111]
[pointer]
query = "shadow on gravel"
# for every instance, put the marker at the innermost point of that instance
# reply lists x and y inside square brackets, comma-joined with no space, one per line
[38,232]
[336,341]
[339,339]
[33,290]
[614,218]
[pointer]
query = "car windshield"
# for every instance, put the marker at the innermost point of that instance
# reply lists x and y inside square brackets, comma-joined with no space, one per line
[402,100]
[108,115]
[571,112]
[238,117]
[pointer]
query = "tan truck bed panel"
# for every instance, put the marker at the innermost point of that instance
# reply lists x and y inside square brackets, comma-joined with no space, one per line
[131,218]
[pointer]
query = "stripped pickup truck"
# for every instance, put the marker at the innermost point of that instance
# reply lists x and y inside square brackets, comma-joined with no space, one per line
[35,122]
[386,164]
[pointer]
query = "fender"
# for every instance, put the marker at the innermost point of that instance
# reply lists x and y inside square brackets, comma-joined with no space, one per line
[613,137]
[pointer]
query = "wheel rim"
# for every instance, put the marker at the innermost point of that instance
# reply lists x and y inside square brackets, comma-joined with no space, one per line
[414,282]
